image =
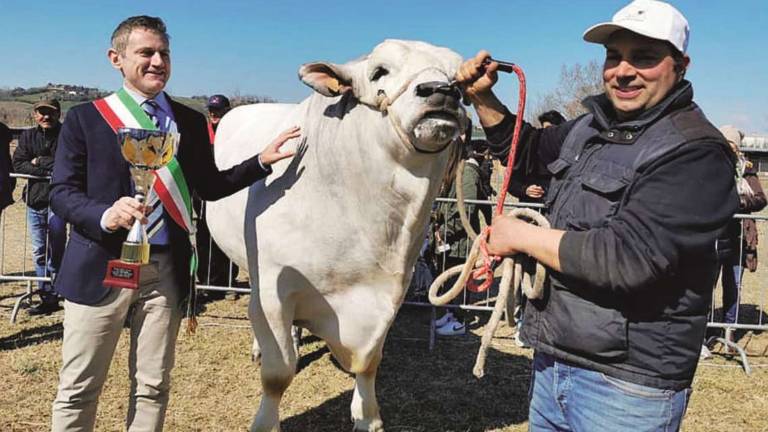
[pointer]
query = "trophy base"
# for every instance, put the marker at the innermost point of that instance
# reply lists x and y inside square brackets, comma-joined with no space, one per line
[121,274]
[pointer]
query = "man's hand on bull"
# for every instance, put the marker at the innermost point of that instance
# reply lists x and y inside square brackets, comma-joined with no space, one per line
[477,81]
[123,213]
[272,153]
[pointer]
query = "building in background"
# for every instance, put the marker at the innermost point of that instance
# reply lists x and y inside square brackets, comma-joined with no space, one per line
[756,149]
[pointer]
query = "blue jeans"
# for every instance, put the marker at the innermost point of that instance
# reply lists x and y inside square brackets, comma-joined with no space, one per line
[46,229]
[731,279]
[564,397]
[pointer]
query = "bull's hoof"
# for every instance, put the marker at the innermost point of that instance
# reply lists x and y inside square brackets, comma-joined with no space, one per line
[255,428]
[370,425]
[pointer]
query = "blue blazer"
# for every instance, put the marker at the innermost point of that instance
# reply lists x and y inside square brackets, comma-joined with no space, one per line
[90,174]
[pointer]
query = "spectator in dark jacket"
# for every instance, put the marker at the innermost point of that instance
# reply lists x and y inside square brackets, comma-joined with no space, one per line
[214,267]
[536,180]
[7,184]
[451,238]
[34,156]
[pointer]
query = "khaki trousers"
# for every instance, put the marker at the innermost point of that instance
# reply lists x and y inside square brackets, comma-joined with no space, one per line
[90,337]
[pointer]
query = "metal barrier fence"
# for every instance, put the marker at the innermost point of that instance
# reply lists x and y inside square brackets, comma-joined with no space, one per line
[472,302]
[16,265]
[746,292]
[16,246]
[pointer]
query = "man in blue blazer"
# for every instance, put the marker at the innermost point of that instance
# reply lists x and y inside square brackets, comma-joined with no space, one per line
[92,190]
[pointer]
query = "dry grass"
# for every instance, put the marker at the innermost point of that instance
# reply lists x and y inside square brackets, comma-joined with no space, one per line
[216,387]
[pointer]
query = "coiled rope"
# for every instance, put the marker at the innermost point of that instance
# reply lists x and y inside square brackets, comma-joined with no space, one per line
[479,263]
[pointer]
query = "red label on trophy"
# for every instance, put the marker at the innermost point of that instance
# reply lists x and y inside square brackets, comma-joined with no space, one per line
[121,274]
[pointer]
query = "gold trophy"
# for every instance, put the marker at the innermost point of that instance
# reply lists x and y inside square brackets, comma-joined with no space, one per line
[146,150]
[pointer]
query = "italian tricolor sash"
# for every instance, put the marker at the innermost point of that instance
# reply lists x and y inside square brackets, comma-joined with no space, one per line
[121,110]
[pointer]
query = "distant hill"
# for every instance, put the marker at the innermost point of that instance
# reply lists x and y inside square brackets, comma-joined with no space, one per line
[16,104]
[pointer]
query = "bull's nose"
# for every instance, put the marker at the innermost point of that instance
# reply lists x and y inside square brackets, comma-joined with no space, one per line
[439,94]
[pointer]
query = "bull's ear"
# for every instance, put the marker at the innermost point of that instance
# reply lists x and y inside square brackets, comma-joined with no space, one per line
[327,79]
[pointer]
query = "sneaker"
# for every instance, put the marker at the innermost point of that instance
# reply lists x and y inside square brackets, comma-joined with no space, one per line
[519,342]
[452,328]
[45,308]
[445,319]
[705,353]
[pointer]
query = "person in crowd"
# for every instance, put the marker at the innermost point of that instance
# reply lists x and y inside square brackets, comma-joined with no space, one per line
[7,183]
[632,263]
[48,233]
[550,118]
[217,106]
[92,190]
[214,267]
[537,180]
[452,242]
[742,233]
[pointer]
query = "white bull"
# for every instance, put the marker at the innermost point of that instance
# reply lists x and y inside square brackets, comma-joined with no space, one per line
[331,237]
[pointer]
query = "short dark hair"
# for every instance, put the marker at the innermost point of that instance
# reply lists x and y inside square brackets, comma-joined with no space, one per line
[124,29]
[551,116]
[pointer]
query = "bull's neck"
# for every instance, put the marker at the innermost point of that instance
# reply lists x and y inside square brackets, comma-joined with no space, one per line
[365,167]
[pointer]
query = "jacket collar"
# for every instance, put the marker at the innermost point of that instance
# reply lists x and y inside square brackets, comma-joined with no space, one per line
[611,130]
[602,109]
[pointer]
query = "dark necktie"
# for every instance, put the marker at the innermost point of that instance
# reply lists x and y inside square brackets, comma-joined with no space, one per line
[157,229]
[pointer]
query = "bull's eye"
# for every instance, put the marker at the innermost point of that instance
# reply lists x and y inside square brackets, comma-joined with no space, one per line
[378,73]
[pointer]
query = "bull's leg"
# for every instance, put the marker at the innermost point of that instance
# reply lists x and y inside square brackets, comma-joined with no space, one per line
[256,349]
[272,326]
[363,361]
[365,407]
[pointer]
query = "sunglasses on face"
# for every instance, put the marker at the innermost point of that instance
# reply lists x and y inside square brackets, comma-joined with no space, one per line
[47,112]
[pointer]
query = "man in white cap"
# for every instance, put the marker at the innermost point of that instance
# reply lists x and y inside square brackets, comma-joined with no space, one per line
[642,189]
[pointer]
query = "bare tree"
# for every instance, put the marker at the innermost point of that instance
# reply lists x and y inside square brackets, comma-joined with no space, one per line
[576,83]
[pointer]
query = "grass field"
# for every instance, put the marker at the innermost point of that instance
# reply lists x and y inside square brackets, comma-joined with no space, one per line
[216,387]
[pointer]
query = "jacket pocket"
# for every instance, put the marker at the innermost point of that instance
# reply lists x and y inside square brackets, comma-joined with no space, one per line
[637,390]
[557,169]
[578,326]
[598,200]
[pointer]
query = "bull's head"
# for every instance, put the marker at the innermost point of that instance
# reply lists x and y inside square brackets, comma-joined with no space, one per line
[406,80]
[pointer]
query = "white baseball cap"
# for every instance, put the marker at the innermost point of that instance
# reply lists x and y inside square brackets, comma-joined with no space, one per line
[651,18]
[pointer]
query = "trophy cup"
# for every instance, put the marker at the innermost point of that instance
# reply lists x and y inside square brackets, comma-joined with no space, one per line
[146,151]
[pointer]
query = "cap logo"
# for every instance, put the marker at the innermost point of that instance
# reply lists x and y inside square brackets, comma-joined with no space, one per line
[635,15]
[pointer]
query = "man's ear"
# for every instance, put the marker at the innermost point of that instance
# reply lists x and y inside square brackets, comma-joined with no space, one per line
[681,67]
[115,59]
[328,79]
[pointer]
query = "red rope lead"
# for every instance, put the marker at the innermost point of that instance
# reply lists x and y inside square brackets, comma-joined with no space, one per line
[485,272]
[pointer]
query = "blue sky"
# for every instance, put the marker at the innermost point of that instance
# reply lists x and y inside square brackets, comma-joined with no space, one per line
[256,47]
